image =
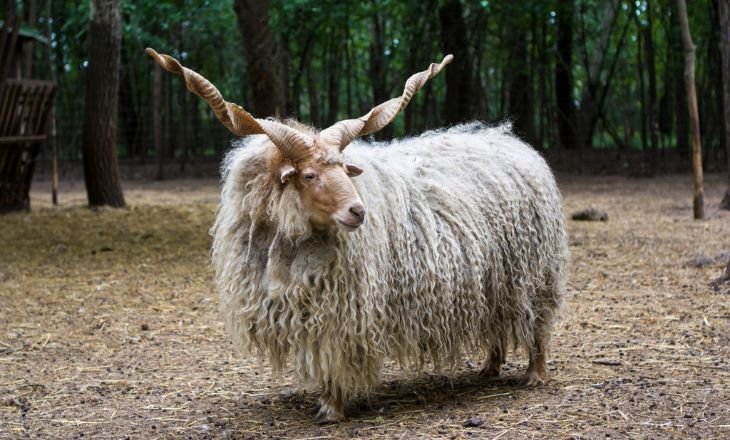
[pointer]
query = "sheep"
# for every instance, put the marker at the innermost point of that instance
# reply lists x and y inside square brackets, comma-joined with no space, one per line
[464,249]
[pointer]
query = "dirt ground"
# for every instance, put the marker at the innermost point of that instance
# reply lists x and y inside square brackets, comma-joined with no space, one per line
[109,329]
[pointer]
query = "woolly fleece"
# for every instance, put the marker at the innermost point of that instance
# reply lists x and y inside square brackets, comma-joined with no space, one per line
[463,249]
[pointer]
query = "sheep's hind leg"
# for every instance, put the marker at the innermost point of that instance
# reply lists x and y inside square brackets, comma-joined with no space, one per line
[331,406]
[536,370]
[497,357]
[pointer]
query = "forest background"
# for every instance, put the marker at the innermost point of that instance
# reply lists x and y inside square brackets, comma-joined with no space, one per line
[598,85]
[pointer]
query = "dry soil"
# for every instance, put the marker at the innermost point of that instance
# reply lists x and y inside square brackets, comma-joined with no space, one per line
[109,329]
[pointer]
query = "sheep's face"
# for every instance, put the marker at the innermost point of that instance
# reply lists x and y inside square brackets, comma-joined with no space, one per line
[328,195]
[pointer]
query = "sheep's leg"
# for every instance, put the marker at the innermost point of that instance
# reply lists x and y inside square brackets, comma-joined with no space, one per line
[497,357]
[536,370]
[331,405]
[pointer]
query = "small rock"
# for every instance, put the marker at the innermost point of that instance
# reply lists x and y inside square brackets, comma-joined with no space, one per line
[473,421]
[591,215]
[145,327]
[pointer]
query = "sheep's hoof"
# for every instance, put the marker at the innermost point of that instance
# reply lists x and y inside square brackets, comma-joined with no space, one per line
[317,407]
[328,414]
[533,379]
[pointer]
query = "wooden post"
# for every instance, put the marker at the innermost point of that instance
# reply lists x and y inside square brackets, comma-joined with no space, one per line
[689,82]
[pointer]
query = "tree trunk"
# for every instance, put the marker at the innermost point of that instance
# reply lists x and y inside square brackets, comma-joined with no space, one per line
[377,62]
[544,87]
[458,75]
[10,10]
[642,95]
[129,121]
[263,58]
[157,119]
[183,127]
[724,19]
[304,61]
[168,139]
[378,71]
[564,76]
[53,139]
[520,84]
[101,170]
[666,105]
[680,95]
[30,14]
[193,117]
[333,78]
[689,79]
[479,101]
[653,120]
[348,71]
[313,98]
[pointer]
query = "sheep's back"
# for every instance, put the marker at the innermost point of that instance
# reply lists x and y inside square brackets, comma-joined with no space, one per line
[472,222]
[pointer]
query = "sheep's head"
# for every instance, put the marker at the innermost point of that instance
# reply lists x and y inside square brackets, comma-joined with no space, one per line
[323,181]
[312,163]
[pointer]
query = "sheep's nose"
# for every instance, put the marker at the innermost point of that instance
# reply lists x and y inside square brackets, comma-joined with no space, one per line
[358,210]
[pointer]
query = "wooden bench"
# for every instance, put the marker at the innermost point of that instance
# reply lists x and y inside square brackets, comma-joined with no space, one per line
[25,106]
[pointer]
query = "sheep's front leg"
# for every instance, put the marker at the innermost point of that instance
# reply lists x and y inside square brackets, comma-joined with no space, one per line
[331,405]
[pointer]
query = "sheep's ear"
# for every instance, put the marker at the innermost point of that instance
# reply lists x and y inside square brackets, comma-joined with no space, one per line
[353,170]
[286,171]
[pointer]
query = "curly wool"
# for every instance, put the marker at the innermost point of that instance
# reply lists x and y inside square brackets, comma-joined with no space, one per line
[464,248]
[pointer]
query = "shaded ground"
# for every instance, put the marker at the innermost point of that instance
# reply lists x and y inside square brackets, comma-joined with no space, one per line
[108,329]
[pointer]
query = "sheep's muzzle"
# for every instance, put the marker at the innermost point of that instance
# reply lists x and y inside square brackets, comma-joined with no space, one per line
[352,218]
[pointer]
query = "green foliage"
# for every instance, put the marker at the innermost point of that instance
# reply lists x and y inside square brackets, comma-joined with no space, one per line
[329,43]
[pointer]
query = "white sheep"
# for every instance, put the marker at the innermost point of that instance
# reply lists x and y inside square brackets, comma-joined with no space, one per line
[464,248]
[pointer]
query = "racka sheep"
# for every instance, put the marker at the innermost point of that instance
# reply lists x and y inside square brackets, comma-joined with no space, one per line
[464,247]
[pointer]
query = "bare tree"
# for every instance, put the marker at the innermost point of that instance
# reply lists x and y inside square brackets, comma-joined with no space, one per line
[101,169]
[724,18]
[689,81]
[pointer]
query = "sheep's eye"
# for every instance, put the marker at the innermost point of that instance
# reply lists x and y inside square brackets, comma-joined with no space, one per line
[309,177]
